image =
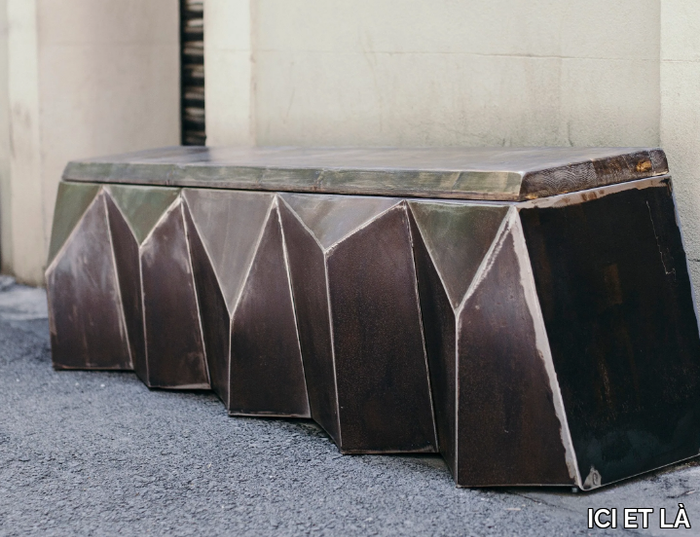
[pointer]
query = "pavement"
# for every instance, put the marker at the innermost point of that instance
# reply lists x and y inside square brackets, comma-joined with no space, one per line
[98,453]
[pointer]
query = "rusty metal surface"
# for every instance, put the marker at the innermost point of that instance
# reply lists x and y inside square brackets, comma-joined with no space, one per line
[439,327]
[494,173]
[359,320]
[494,412]
[224,230]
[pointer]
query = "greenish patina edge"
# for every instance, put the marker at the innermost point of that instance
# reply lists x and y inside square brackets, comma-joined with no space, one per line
[529,179]
[72,201]
[142,206]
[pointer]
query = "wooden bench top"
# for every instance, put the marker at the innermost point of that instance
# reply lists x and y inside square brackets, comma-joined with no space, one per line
[506,174]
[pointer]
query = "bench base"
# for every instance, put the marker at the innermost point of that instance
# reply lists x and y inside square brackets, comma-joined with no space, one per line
[543,342]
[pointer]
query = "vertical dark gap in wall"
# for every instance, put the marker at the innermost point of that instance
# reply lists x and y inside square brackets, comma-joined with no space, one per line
[192,72]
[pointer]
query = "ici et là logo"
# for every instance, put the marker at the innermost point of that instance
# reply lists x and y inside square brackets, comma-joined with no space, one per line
[634,518]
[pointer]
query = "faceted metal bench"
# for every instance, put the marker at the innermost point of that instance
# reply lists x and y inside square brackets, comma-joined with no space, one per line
[525,312]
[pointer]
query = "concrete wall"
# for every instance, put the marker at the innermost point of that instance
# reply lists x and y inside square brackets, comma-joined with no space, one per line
[229,72]
[680,116]
[86,78]
[456,72]
[5,235]
[443,72]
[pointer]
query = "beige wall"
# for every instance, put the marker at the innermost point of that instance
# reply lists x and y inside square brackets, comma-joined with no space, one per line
[445,72]
[439,72]
[457,72]
[680,116]
[5,235]
[230,84]
[86,77]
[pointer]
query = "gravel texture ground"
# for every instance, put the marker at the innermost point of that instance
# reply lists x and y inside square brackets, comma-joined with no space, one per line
[94,453]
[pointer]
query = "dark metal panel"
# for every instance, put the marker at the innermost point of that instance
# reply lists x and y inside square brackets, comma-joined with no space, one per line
[229,224]
[381,366]
[267,375]
[439,327]
[457,237]
[616,298]
[216,322]
[72,201]
[87,327]
[174,346]
[308,276]
[509,433]
[332,218]
[126,252]
[610,273]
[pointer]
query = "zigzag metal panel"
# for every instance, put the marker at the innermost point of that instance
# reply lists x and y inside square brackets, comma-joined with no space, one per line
[543,342]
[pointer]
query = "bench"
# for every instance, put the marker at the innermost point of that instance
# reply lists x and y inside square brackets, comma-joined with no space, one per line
[525,312]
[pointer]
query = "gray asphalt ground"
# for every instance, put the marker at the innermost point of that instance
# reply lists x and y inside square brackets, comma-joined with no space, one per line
[94,453]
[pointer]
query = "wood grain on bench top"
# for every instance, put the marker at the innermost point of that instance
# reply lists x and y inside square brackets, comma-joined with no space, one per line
[497,173]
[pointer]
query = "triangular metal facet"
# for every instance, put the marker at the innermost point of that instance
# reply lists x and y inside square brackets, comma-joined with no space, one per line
[229,225]
[309,284]
[142,206]
[72,202]
[265,348]
[508,428]
[439,328]
[175,349]
[332,218]
[216,320]
[376,327]
[126,258]
[458,236]
[87,321]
